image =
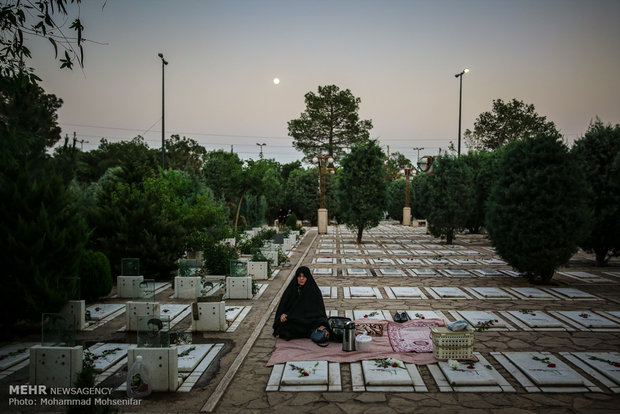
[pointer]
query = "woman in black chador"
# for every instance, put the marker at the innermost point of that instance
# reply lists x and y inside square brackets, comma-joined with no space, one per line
[301,309]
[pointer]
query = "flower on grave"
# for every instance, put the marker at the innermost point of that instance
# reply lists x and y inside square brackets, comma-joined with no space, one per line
[389,363]
[614,363]
[544,360]
[419,315]
[471,366]
[617,364]
[97,309]
[584,315]
[453,364]
[166,310]
[187,351]
[551,365]
[304,372]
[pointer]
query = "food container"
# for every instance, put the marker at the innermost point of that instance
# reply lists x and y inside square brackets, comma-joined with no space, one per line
[362,342]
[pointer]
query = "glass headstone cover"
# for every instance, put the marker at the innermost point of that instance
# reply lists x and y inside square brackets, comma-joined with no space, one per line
[145,290]
[130,266]
[238,268]
[153,331]
[278,238]
[57,329]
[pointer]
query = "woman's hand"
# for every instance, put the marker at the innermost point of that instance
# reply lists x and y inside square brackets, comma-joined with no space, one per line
[283,318]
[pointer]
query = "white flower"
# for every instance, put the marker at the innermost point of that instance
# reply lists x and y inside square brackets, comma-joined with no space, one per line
[453,364]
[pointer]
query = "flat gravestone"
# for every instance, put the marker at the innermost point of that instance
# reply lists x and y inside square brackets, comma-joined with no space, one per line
[392,246]
[449,292]
[481,317]
[607,363]
[399,252]
[536,319]
[171,310]
[305,373]
[409,292]
[468,252]
[374,251]
[467,374]
[107,355]
[354,260]
[190,356]
[383,372]
[354,271]
[573,293]
[382,261]
[582,275]
[415,246]
[491,292]
[457,272]
[464,261]
[512,273]
[423,314]
[589,319]
[446,252]
[326,290]
[438,261]
[232,312]
[325,251]
[328,260]
[14,354]
[424,272]
[488,272]
[326,245]
[493,261]
[326,271]
[533,293]
[98,312]
[349,246]
[433,246]
[422,252]
[546,371]
[362,291]
[410,261]
[391,272]
[368,314]
[352,251]
[371,245]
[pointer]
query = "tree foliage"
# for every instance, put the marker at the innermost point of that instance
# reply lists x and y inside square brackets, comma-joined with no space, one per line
[329,124]
[20,21]
[536,211]
[362,187]
[507,122]
[598,152]
[396,198]
[450,197]
[395,163]
[95,275]
[302,193]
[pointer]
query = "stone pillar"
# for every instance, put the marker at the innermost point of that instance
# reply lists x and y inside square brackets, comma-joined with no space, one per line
[322,221]
[406,216]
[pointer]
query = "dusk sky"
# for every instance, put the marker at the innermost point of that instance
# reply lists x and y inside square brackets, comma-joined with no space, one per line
[399,57]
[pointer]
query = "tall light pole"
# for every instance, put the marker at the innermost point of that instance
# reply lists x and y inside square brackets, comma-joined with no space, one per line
[407,209]
[418,149]
[322,161]
[163,125]
[460,76]
[261,149]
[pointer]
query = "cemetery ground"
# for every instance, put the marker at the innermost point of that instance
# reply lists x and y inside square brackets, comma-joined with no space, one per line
[551,348]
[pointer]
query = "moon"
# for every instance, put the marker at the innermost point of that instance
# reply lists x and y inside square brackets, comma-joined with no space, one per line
[276,81]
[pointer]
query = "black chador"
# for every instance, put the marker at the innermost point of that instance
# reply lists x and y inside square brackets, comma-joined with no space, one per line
[303,307]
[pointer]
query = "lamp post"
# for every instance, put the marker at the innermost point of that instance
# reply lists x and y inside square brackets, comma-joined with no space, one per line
[418,149]
[163,127]
[460,76]
[322,161]
[407,209]
[261,149]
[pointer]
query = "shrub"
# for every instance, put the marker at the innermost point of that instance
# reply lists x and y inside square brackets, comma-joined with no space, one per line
[217,256]
[95,275]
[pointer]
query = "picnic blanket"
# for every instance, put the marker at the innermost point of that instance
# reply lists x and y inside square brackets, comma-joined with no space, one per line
[412,336]
[381,347]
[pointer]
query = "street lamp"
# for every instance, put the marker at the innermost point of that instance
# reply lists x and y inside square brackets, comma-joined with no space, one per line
[322,161]
[163,128]
[261,148]
[460,76]
[407,209]
[418,149]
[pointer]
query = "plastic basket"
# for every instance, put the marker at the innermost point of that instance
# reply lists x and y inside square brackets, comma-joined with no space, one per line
[449,344]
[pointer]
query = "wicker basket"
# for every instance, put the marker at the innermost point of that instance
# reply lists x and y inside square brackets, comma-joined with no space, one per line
[449,344]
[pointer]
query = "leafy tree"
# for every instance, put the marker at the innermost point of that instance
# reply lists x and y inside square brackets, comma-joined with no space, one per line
[536,211]
[184,154]
[420,195]
[599,156]
[286,169]
[362,187]
[450,197]
[394,164]
[95,275]
[329,124]
[508,122]
[39,18]
[396,198]
[223,173]
[302,193]
[480,164]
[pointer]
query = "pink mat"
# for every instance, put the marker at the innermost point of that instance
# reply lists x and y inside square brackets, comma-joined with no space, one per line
[306,350]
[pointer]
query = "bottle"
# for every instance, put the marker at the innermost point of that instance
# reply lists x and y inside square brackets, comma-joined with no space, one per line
[138,381]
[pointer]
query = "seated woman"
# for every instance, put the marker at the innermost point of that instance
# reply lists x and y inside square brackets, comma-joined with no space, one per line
[301,309]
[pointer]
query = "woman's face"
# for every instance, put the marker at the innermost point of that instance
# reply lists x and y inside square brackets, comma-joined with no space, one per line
[301,279]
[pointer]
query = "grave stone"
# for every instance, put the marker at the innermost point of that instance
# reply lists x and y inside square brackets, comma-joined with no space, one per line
[533,293]
[163,365]
[541,373]
[604,362]
[190,355]
[391,272]
[480,317]
[127,285]
[488,272]
[573,293]
[368,314]
[424,272]
[77,310]
[409,292]
[100,311]
[326,291]
[187,287]
[456,272]
[491,292]
[423,314]
[467,374]
[153,331]
[130,266]
[382,372]
[589,319]
[108,355]
[55,366]
[305,373]
[137,309]
[209,316]
[325,271]
[411,261]
[362,291]
[536,319]
[258,270]
[353,271]
[352,260]
[449,292]
[232,312]
[239,287]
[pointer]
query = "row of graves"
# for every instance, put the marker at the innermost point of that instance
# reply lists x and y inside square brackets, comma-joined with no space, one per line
[174,362]
[406,259]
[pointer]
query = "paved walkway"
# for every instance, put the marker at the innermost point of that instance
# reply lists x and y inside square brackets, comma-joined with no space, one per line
[237,380]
